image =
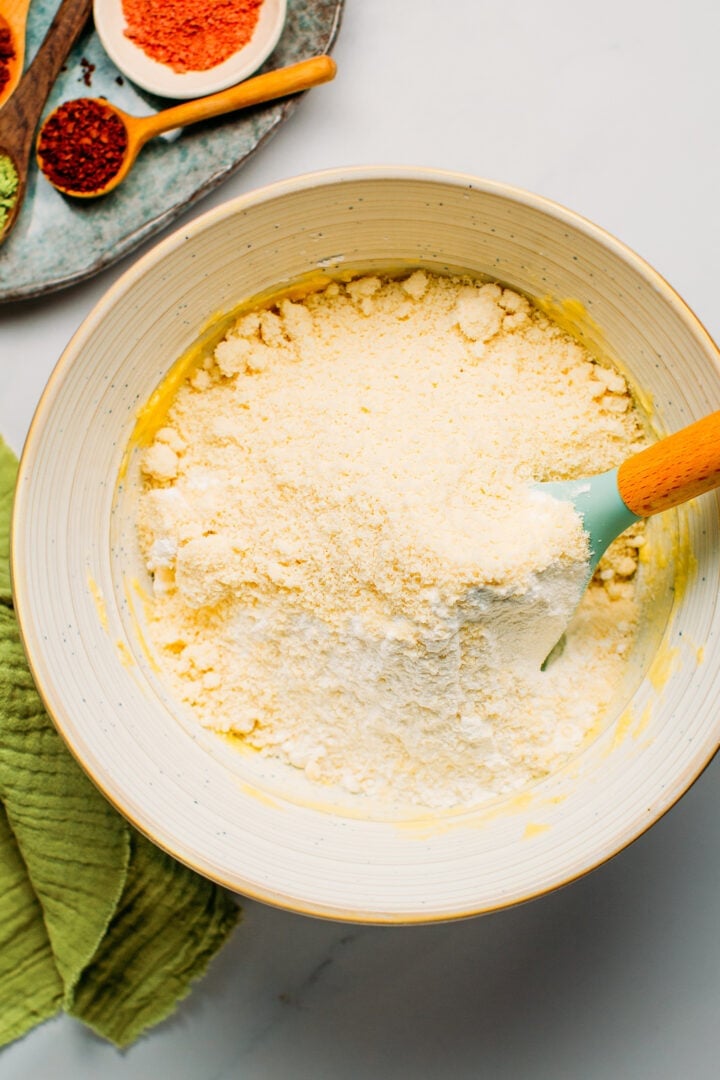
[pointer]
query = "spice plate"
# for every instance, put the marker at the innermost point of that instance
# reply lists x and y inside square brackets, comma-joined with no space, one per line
[58,241]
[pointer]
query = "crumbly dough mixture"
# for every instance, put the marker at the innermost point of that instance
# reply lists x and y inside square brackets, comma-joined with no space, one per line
[351,569]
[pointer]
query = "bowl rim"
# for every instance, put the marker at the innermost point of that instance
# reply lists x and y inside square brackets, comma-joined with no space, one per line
[633,829]
[340,174]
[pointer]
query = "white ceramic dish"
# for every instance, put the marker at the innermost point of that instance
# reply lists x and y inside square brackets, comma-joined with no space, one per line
[255,825]
[160,79]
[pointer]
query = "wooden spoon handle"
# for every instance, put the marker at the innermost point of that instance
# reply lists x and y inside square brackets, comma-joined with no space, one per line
[273,84]
[64,30]
[673,470]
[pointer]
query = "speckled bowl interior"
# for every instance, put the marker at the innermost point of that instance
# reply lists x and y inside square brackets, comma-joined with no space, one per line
[259,827]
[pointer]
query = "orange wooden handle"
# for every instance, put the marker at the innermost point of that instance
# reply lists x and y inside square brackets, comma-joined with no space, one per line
[673,470]
[267,87]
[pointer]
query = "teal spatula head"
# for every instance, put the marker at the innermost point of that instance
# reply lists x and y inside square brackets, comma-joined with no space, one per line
[600,505]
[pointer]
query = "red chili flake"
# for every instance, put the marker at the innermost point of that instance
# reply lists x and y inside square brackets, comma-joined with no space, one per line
[82,145]
[191,35]
[87,70]
[7,53]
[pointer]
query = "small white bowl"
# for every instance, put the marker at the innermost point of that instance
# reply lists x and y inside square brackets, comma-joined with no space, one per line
[158,78]
[255,824]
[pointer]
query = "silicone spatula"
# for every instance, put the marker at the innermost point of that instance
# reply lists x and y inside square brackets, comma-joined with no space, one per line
[668,473]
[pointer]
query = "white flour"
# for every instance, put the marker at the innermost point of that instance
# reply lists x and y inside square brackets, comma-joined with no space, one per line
[350,567]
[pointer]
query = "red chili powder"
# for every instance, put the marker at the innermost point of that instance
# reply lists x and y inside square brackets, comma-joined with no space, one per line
[82,145]
[190,35]
[7,53]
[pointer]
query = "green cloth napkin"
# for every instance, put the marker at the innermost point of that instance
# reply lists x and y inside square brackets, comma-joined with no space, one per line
[94,919]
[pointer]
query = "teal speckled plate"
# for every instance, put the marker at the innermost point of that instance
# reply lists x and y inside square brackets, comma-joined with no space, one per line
[58,241]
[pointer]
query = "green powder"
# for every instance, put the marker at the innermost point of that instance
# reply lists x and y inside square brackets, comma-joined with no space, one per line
[8,188]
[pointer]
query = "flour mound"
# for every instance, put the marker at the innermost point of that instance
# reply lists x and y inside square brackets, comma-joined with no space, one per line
[351,566]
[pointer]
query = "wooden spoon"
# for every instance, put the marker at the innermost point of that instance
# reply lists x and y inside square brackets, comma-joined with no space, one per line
[14,17]
[19,118]
[273,84]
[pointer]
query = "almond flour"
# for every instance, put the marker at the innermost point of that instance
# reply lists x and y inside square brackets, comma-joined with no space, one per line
[351,568]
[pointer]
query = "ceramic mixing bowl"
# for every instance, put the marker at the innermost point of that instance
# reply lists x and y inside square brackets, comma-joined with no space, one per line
[254,824]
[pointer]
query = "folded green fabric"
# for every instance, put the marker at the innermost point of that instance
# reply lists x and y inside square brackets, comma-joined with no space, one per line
[94,919]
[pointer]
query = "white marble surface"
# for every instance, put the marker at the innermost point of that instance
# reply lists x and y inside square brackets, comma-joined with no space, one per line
[610,109]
